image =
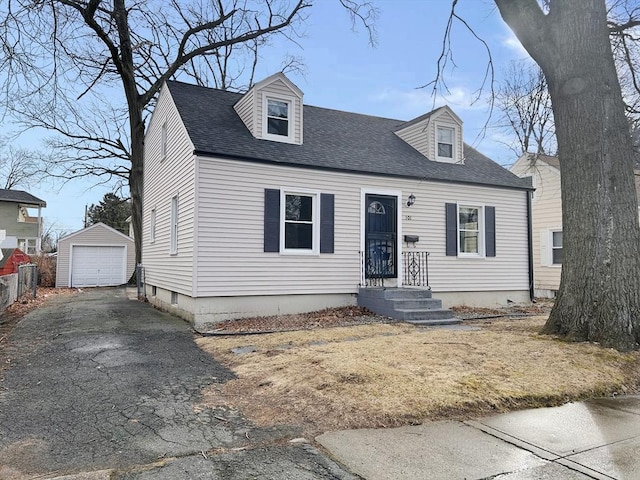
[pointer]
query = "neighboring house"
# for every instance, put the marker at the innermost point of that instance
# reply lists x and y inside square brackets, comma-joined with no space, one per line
[21,219]
[11,259]
[544,172]
[257,205]
[96,256]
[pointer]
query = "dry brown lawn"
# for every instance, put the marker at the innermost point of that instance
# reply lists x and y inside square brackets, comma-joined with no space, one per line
[395,374]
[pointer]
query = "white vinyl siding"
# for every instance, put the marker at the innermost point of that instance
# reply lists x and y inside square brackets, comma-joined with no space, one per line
[94,236]
[546,209]
[162,181]
[246,111]
[231,260]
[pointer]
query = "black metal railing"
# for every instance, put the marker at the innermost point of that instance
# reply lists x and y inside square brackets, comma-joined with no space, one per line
[415,269]
[371,275]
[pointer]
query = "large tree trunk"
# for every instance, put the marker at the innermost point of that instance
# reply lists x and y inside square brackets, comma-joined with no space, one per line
[599,296]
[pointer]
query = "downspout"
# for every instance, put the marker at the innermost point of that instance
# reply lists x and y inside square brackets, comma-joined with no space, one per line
[530,244]
[39,237]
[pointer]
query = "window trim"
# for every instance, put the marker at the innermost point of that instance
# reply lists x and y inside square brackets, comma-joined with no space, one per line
[454,135]
[552,247]
[26,241]
[315,219]
[290,101]
[481,231]
[173,227]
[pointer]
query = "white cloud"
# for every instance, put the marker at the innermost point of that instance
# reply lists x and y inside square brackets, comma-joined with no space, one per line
[411,103]
[511,42]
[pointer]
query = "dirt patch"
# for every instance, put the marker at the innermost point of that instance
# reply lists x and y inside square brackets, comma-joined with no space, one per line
[12,314]
[395,374]
[330,317]
[540,307]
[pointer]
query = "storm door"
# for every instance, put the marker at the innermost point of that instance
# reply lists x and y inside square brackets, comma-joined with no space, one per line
[380,237]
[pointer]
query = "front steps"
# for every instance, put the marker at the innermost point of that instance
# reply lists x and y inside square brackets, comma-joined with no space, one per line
[407,304]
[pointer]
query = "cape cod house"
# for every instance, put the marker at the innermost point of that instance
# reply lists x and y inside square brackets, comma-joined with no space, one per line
[256,204]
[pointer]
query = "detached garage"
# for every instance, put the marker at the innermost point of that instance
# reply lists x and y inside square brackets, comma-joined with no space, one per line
[97,256]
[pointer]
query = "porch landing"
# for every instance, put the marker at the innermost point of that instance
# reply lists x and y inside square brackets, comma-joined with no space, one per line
[412,305]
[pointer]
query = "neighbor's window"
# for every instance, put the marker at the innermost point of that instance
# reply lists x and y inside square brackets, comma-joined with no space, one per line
[445,142]
[174,225]
[152,233]
[469,229]
[27,245]
[278,117]
[556,248]
[299,222]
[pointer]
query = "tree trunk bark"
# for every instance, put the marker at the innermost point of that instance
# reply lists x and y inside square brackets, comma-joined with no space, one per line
[599,295]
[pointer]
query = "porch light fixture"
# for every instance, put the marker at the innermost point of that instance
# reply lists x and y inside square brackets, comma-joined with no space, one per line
[411,200]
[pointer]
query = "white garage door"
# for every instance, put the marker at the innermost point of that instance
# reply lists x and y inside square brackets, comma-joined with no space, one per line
[93,266]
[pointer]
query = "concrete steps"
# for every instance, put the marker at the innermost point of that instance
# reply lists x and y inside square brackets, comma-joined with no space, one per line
[410,305]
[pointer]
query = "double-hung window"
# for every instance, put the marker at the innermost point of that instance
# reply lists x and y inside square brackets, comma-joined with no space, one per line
[445,142]
[278,117]
[469,230]
[27,245]
[556,248]
[300,222]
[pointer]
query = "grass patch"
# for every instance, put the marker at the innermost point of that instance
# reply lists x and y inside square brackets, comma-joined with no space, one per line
[390,375]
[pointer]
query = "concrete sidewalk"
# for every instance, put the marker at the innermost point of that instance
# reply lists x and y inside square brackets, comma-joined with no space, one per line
[593,439]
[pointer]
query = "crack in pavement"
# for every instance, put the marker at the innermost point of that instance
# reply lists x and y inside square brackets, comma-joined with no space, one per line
[98,381]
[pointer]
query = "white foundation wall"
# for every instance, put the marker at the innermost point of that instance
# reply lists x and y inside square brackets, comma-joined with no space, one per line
[200,311]
[482,299]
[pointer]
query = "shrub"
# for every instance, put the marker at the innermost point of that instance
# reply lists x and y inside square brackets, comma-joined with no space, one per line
[46,269]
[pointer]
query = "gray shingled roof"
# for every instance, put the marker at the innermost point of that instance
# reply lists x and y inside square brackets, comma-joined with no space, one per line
[333,140]
[18,196]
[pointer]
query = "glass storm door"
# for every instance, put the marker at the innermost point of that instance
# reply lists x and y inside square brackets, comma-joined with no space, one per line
[380,236]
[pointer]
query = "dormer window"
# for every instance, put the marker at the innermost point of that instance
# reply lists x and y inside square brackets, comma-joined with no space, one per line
[445,142]
[278,117]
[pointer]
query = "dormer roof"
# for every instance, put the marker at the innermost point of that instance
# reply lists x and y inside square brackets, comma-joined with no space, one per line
[333,140]
[272,110]
[437,135]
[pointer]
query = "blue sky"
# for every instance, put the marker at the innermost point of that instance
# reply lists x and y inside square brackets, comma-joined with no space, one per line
[342,71]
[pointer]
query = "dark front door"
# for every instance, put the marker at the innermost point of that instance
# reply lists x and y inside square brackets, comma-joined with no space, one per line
[380,237]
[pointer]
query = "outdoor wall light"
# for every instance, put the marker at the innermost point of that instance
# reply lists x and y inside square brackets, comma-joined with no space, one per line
[411,200]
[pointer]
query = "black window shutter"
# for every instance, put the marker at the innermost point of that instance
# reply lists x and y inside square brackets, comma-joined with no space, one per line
[271,220]
[490,231]
[326,222]
[451,211]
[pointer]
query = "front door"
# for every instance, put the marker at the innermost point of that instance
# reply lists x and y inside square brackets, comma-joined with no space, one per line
[380,237]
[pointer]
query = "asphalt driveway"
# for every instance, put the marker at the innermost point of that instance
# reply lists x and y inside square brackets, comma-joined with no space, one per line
[98,382]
